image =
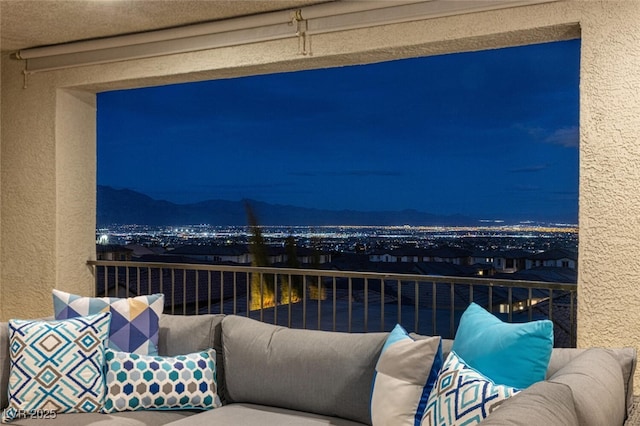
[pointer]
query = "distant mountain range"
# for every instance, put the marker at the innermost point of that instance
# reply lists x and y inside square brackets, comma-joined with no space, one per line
[124,206]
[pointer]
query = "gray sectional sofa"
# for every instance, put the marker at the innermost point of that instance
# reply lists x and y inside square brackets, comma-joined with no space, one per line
[270,375]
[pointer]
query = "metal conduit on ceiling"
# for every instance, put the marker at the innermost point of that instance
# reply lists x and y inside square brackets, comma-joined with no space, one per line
[301,23]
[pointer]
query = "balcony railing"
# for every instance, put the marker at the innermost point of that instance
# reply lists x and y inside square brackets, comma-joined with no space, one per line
[340,300]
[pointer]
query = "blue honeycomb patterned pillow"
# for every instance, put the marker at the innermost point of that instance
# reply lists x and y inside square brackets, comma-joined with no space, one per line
[144,382]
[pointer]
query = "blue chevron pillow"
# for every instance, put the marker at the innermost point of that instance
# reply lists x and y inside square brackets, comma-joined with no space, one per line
[57,366]
[134,320]
[462,396]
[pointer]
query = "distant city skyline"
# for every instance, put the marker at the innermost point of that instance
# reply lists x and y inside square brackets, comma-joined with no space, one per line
[490,135]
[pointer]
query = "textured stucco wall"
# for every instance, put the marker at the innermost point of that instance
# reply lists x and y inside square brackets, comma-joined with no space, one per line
[609,274]
[76,189]
[47,152]
[48,192]
[27,195]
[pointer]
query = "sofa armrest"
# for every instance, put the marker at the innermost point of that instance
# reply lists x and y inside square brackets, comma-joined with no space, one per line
[626,357]
[543,403]
[595,378]
[4,364]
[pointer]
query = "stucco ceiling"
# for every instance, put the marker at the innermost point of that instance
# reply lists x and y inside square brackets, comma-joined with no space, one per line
[32,23]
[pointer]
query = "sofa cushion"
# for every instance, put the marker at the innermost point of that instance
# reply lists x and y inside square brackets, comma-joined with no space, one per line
[596,380]
[405,374]
[56,366]
[463,396]
[513,354]
[328,373]
[543,403]
[125,418]
[182,334]
[145,382]
[251,414]
[134,320]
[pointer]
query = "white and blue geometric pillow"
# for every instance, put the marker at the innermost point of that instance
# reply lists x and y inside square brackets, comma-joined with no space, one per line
[134,320]
[141,382]
[462,396]
[405,374]
[57,366]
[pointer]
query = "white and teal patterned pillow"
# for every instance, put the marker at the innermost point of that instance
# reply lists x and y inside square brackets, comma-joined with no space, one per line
[142,382]
[57,366]
[406,371]
[462,396]
[134,320]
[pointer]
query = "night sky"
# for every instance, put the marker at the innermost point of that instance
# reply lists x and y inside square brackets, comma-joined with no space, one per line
[491,135]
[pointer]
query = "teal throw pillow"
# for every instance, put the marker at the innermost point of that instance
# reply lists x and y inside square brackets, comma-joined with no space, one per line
[513,354]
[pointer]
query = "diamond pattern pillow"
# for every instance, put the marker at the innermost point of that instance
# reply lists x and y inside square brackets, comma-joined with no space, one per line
[57,365]
[134,320]
[462,396]
[140,382]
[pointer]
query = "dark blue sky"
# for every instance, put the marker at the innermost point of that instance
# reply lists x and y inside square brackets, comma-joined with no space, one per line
[491,134]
